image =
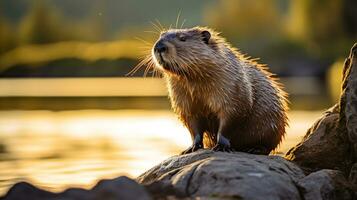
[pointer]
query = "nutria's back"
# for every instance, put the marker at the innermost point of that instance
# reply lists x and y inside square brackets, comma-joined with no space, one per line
[221,96]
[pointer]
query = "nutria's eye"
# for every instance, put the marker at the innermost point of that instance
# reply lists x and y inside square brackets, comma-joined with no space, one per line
[182,38]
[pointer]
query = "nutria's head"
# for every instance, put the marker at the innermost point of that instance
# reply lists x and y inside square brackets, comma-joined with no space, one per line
[186,52]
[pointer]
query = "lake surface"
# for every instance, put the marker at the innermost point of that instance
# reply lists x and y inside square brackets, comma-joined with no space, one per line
[56,150]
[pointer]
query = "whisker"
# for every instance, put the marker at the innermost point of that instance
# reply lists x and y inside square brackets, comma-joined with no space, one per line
[162,27]
[155,70]
[152,68]
[138,66]
[142,40]
[183,23]
[178,18]
[147,69]
[156,73]
[192,67]
[156,26]
[177,68]
[134,70]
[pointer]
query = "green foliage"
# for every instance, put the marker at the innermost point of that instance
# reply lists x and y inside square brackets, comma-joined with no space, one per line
[253,26]
[317,30]
[323,27]
[41,25]
[319,24]
[246,19]
[44,24]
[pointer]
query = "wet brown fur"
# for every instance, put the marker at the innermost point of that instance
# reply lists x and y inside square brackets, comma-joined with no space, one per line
[212,81]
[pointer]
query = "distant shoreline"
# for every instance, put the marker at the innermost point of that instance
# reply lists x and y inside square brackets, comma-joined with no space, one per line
[81,103]
[123,93]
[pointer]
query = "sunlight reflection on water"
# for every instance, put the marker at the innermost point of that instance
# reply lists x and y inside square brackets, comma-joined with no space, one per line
[56,150]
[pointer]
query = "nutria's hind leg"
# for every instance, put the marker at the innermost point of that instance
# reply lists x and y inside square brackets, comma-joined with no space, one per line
[226,127]
[223,144]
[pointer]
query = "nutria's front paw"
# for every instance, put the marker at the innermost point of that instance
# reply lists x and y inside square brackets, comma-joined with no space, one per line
[223,144]
[192,148]
[222,147]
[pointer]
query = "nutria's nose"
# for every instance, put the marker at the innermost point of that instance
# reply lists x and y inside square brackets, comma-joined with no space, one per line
[160,47]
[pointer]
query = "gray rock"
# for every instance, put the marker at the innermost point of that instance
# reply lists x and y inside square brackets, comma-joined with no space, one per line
[323,147]
[23,190]
[217,175]
[119,188]
[353,177]
[325,185]
[349,98]
[74,194]
[122,188]
[227,175]
[331,143]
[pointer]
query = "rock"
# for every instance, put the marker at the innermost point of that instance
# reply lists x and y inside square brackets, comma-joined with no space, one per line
[353,177]
[349,98]
[323,147]
[349,108]
[23,190]
[331,143]
[119,188]
[209,174]
[74,194]
[122,188]
[225,175]
[325,184]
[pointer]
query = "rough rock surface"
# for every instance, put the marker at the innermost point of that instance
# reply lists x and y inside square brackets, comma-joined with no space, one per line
[323,147]
[331,143]
[207,175]
[210,174]
[323,166]
[325,184]
[349,98]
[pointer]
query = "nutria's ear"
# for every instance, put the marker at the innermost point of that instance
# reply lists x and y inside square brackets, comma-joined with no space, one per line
[206,36]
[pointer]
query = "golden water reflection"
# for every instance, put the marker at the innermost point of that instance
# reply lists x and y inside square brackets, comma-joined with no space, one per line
[56,150]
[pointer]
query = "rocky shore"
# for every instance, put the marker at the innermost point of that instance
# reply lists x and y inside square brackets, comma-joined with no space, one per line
[322,166]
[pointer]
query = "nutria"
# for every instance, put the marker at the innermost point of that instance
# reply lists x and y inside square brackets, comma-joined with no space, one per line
[226,100]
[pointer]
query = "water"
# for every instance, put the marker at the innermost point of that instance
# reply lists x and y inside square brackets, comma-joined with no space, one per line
[56,150]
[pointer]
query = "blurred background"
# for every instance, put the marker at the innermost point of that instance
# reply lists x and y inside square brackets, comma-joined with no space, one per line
[69,115]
